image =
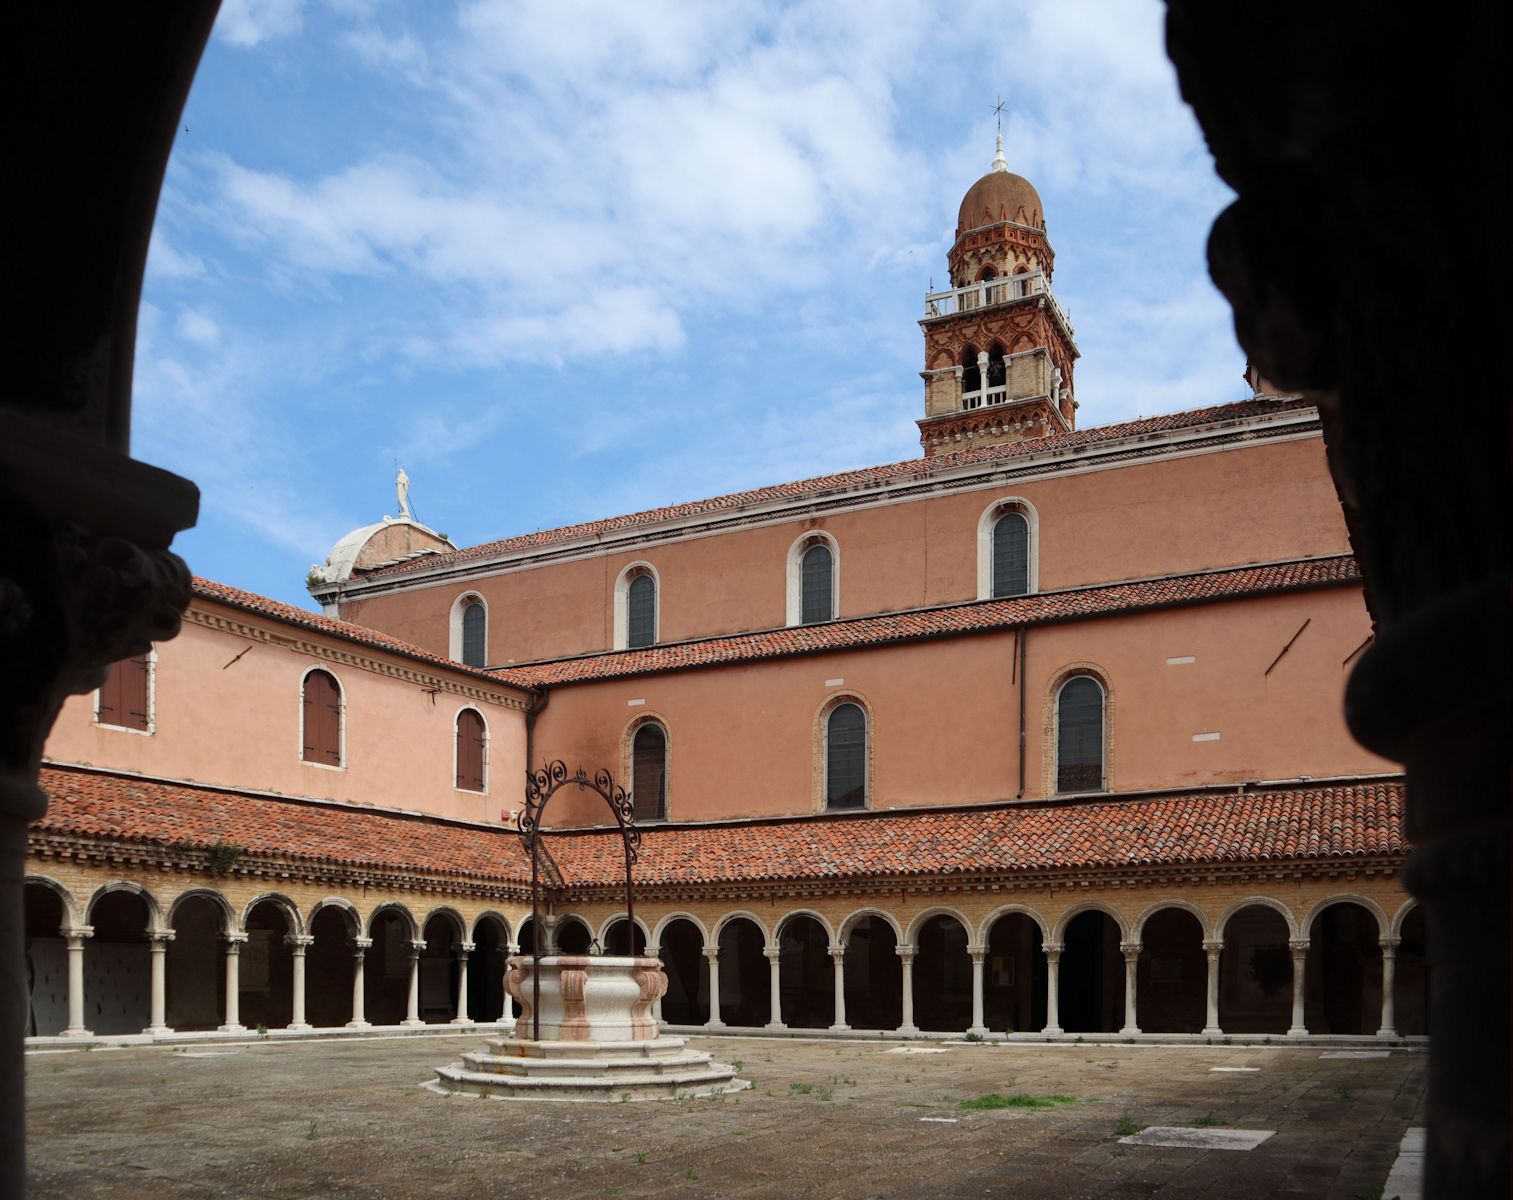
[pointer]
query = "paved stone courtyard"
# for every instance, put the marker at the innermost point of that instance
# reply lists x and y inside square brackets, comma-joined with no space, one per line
[349,1118]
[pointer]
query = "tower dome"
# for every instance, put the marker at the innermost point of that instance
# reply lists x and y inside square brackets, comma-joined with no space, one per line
[998,196]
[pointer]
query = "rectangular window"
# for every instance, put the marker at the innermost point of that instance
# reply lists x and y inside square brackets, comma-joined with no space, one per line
[126,695]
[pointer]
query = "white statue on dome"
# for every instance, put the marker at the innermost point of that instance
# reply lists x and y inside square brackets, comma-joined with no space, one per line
[402,492]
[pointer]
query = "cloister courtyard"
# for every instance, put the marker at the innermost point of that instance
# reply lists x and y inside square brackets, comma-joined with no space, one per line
[349,1117]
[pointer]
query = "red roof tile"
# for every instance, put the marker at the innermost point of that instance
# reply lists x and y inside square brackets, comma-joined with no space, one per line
[799,488]
[954,620]
[1316,821]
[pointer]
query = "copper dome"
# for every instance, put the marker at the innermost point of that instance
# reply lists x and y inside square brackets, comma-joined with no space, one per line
[1000,195]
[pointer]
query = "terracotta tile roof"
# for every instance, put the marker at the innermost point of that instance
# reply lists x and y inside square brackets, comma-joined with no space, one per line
[145,811]
[845,480]
[954,620]
[224,593]
[1316,821]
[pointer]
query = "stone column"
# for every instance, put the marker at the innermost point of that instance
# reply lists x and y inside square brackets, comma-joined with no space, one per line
[1052,987]
[1131,952]
[463,949]
[1299,948]
[507,1016]
[412,1000]
[76,1027]
[656,1005]
[906,955]
[546,936]
[979,954]
[157,947]
[234,943]
[774,956]
[298,943]
[359,952]
[838,959]
[712,953]
[1388,1031]
[1211,1022]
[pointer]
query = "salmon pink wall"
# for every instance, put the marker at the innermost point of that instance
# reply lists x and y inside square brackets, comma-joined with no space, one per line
[945,716]
[237,724]
[1254,502]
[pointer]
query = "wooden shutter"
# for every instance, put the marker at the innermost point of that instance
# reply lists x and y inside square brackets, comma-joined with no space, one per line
[470,745]
[817,581]
[1079,736]
[648,783]
[475,651]
[322,719]
[846,758]
[125,694]
[641,612]
[1011,555]
[108,711]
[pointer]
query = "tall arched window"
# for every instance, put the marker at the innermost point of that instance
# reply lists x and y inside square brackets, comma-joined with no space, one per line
[971,374]
[846,757]
[472,751]
[641,612]
[1011,555]
[648,779]
[475,634]
[998,361]
[817,582]
[1079,735]
[321,721]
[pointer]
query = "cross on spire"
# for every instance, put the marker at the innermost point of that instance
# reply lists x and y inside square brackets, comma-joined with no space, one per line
[998,113]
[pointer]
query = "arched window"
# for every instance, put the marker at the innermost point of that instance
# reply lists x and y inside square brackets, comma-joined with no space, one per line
[475,633]
[846,757]
[472,751]
[971,375]
[1011,555]
[648,779]
[321,722]
[997,366]
[816,581]
[1079,735]
[641,612]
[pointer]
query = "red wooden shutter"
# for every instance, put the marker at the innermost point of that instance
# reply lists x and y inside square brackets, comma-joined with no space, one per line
[109,710]
[322,713]
[470,739]
[134,674]
[308,709]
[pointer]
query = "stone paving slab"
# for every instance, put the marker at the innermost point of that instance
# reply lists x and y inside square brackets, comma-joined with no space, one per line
[296,1120]
[1198,1139]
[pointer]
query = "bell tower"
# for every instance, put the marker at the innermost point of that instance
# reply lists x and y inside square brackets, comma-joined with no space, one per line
[998,349]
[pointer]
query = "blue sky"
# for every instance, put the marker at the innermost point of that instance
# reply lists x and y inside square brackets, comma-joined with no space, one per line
[574,258]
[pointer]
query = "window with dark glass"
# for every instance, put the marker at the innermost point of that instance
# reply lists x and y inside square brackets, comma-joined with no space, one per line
[648,787]
[1011,555]
[471,733]
[641,612]
[1079,736]
[475,629]
[322,719]
[846,757]
[124,699]
[817,579]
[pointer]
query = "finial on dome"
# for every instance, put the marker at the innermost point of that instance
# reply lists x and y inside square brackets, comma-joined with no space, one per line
[1000,163]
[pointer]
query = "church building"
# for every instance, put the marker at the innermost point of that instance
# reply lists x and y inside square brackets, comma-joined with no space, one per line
[1038,734]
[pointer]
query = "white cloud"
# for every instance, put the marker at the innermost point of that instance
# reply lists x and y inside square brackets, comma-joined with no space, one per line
[165,262]
[194,326]
[249,23]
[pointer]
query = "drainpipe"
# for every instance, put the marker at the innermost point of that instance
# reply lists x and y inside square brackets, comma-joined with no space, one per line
[539,700]
[1024,632]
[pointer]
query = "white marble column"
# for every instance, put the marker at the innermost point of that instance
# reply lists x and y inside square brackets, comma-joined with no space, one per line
[712,953]
[412,1000]
[838,960]
[359,952]
[656,1005]
[234,943]
[979,955]
[463,949]
[906,955]
[1211,1021]
[1388,1031]
[1052,952]
[298,943]
[157,947]
[1131,952]
[1299,948]
[76,937]
[507,1016]
[774,957]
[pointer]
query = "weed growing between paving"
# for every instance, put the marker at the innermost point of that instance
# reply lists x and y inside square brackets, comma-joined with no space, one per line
[1018,1100]
[1208,1121]
[1126,1126]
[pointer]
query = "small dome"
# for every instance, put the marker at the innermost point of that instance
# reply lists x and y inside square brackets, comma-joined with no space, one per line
[1000,195]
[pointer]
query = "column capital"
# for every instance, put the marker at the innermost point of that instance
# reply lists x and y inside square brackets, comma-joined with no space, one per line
[978,954]
[836,952]
[1213,947]
[906,952]
[159,937]
[772,953]
[299,941]
[360,944]
[1131,950]
[1389,943]
[712,953]
[234,942]
[417,947]
[652,952]
[78,931]
[1298,945]
[465,947]
[1052,950]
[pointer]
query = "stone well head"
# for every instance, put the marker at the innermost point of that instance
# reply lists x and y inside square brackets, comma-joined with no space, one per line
[587,998]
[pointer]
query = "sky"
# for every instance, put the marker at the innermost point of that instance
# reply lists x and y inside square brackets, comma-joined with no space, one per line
[573,258]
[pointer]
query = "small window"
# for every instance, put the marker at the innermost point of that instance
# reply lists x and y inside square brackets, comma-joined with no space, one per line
[846,757]
[649,772]
[818,584]
[475,634]
[641,612]
[322,719]
[1011,555]
[472,736]
[1079,736]
[125,699]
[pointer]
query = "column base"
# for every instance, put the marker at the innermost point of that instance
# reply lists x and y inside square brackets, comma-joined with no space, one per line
[1298,1032]
[908,1030]
[412,1024]
[1129,1031]
[839,1028]
[776,1026]
[231,1029]
[76,1033]
[299,1026]
[1052,1030]
[1387,1035]
[715,1025]
[358,1025]
[157,1030]
[462,1021]
[978,1031]
[1211,1031]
